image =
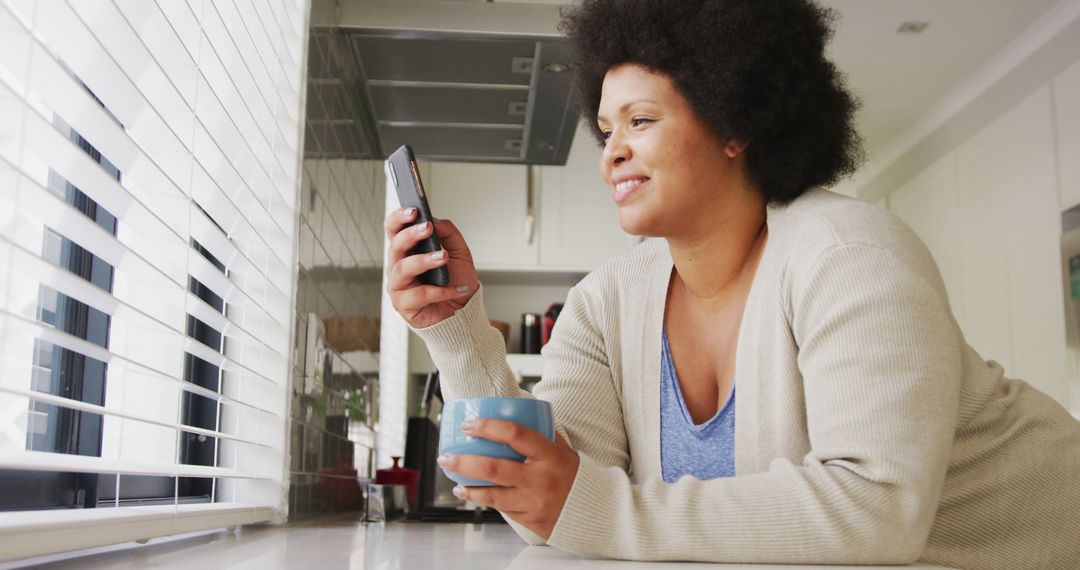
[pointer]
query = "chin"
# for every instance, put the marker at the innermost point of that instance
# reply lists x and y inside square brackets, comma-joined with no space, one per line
[638,224]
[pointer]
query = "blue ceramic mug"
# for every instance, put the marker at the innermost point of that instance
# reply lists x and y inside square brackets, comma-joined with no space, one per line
[533,414]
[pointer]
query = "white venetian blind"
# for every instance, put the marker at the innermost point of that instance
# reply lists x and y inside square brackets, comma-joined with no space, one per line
[149,155]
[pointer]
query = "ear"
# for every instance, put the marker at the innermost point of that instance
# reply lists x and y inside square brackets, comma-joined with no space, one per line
[734,148]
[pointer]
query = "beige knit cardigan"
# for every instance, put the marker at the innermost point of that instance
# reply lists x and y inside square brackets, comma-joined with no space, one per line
[867,430]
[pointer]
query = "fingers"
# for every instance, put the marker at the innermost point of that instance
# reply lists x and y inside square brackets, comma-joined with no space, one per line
[415,298]
[397,220]
[404,241]
[502,472]
[451,239]
[502,499]
[404,273]
[525,441]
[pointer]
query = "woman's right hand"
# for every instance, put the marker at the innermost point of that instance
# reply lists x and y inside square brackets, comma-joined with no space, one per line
[425,305]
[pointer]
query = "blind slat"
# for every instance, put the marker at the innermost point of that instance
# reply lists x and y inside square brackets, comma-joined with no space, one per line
[62,93]
[45,150]
[72,42]
[26,331]
[129,53]
[133,331]
[120,413]
[23,535]
[136,281]
[43,461]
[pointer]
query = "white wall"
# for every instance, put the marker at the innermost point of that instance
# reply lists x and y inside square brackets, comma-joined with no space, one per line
[989,209]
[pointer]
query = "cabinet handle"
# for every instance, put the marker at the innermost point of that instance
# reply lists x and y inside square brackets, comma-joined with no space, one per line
[529,229]
[530,211]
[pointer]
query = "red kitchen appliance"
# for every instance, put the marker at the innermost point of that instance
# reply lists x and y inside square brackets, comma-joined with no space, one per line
[401,476]
[550,316]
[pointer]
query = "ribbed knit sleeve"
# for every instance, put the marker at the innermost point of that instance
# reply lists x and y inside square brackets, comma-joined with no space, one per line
[470,354]
[878,359]
[579,384]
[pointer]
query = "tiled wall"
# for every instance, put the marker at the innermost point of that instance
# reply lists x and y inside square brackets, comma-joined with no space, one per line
[335,379]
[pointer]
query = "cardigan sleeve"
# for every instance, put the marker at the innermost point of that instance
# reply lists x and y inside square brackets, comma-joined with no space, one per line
[470,354]
[879,358]
[577,380]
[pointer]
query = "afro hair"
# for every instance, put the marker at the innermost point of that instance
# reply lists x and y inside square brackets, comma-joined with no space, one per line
[753,70]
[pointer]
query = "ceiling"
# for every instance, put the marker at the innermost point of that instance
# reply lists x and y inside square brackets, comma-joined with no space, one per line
[899,77]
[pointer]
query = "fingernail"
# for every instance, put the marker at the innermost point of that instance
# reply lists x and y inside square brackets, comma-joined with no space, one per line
[462,288]
[438,255]
[442,460]
[408,212]
[421,227]
[459,492]
[467,424]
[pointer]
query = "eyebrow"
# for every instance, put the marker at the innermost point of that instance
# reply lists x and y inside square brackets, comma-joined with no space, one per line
[626,106]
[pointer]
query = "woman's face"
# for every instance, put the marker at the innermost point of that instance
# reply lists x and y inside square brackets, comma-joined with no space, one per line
[670,174]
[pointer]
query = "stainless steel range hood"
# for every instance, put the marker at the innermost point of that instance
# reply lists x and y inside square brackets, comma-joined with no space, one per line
[460,81]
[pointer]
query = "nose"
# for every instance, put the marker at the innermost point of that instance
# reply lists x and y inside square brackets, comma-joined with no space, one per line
[616,150]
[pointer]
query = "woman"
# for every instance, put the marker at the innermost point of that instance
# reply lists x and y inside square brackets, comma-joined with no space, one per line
[779,379]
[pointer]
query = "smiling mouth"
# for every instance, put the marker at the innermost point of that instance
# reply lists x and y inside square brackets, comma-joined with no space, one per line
[626,187]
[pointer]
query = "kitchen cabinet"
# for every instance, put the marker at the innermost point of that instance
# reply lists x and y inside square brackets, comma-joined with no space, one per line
[489,203]
[579,222]
[1066,95]
[1012,233]
[565,221]
[989,211]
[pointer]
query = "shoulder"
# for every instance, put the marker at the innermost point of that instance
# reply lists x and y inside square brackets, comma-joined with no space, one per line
[822,227]
[824,219]
[820,220]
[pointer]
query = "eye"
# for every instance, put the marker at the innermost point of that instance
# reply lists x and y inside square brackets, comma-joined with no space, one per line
[638,121]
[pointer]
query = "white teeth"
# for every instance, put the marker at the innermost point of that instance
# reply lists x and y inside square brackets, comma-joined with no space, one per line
[626,185]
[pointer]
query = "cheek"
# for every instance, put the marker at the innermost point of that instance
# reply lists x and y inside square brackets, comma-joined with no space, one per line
[698,166]
[676,167]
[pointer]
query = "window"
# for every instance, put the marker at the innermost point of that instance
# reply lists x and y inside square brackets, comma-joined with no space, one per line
[148,171]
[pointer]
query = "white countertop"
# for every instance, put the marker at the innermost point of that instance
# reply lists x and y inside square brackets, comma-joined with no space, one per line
[345,543]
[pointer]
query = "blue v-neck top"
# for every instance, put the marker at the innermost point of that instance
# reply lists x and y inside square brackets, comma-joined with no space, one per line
[705,451]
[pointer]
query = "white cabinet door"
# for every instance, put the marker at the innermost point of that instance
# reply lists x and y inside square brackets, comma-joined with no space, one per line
[1067,110]
[1011,245]
[489,204]
[579,223]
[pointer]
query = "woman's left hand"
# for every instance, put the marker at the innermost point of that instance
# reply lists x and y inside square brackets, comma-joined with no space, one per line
[531,493]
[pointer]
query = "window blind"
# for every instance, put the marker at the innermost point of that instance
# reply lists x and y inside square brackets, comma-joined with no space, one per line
[149,157]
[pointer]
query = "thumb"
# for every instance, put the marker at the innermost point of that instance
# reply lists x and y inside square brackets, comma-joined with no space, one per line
[451,239]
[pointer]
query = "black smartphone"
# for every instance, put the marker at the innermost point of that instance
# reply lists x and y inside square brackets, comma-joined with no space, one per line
[402,170]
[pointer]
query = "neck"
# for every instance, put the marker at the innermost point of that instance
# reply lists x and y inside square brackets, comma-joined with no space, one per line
[717,262]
